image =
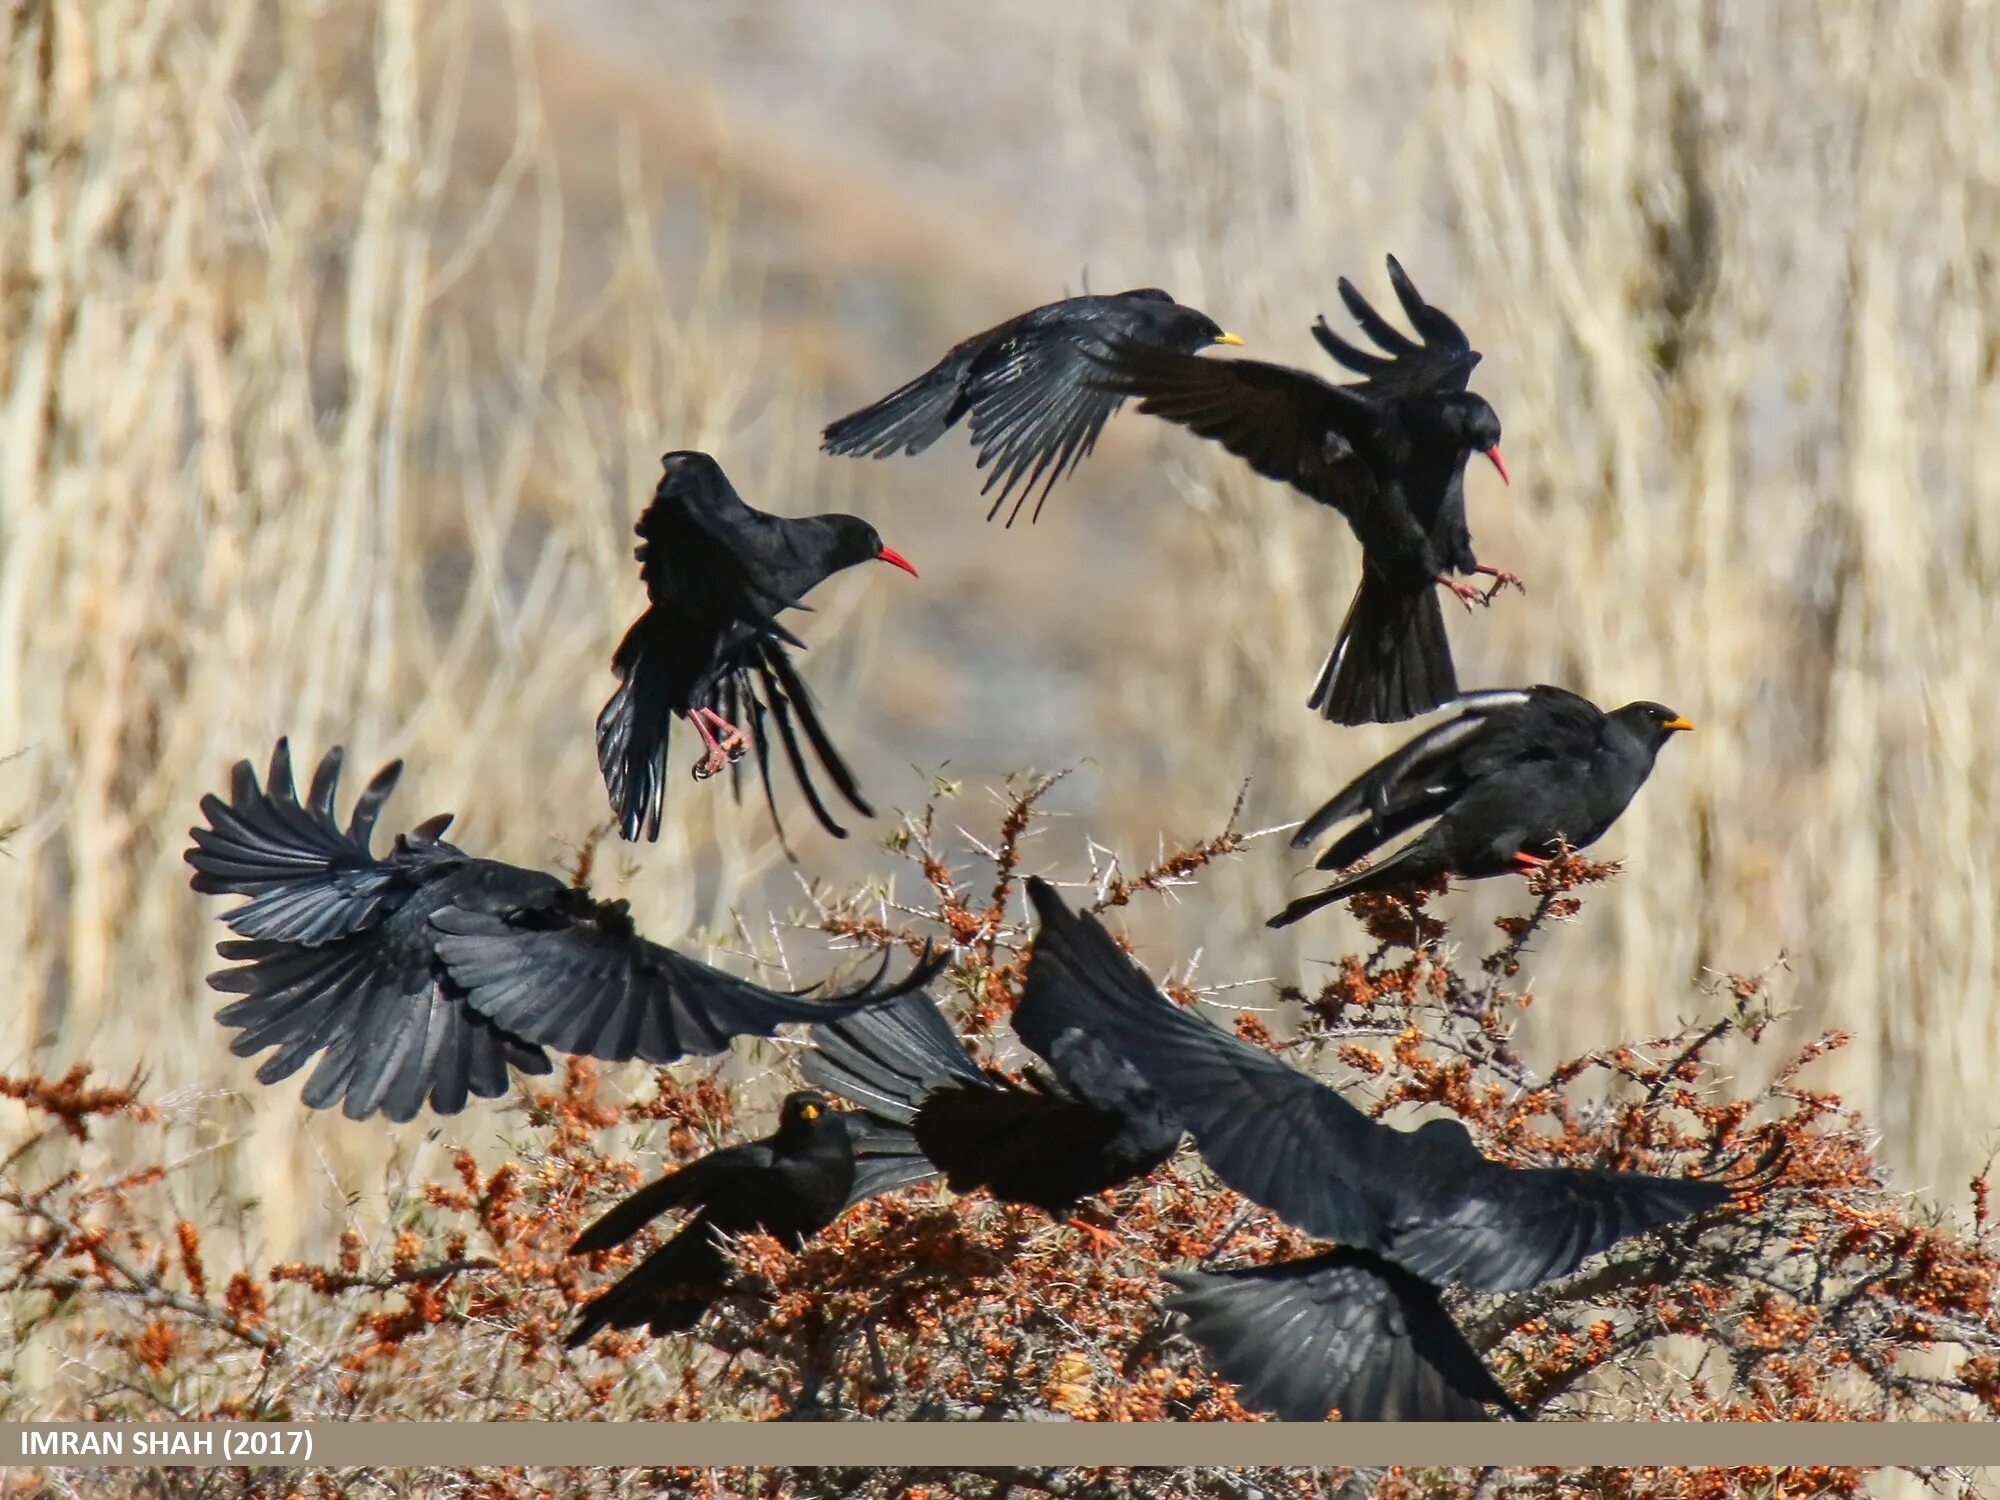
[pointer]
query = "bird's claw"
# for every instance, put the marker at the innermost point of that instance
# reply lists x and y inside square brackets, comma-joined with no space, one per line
[715,762]
[1502,579]
[1466,594]
[1103,1240]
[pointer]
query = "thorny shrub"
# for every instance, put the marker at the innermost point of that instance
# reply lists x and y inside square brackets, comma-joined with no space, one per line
[1823,1296]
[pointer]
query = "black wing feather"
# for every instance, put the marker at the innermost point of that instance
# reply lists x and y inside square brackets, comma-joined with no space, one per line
[1272,1133]
[1286,424]
[310,881]
[1345,1330]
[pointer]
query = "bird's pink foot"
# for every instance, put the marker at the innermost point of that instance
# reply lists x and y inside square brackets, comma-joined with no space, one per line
[1502,579]
[1466,593]
[1103,1240]
[720,751]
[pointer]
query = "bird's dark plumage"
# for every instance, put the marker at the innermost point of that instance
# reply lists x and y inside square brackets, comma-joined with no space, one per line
[1388,453]
[710,648]
[789,1185]
[425,974]
[1346,1330]
[1425,1200]
[1028,387]
[1509,779]
[1088,1124]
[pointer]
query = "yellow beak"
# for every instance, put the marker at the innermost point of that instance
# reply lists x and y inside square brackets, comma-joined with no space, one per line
[1228,338]
[1680,724]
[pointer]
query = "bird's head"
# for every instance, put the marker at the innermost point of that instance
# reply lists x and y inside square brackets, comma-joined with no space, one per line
[801,1110]
[1447,1138]
[855,541]
[1653,724]
[1200,330]
[689,466]
[1176,326]
[1475,426]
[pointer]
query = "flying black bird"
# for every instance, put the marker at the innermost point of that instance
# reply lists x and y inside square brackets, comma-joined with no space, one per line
[1029,387]
[709,647]
[1424,1201]
[429,973]
[1088,1124]
[1514,776]
[791,1184]
[1388,453]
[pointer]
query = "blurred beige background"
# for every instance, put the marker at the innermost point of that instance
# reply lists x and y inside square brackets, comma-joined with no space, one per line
[338,345]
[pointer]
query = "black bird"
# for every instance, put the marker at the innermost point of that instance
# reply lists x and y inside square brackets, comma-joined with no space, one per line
[1514,776]
[710,649]
[427,974]
[1388,453]
[818,1163]
[1424,1203]
[1089,1123]
[1029,387]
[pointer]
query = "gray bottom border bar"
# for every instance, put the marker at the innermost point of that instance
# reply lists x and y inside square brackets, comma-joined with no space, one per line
[971,1445]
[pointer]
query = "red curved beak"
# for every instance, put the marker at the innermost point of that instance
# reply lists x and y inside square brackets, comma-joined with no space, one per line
[1494,454]
[896,559]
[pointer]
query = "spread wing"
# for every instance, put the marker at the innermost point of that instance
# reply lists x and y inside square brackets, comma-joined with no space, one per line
[1514,1228]
[309,880]
[1344,1331]
[1441,363]
[1287,425]
[768,691]
[1036,409]
[1274,1134]
[572,974]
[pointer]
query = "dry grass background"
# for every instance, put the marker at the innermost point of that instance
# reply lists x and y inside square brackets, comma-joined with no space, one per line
[338,345]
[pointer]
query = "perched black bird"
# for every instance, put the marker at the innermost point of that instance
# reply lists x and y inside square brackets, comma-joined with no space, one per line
[709,647]
[1423,1204]
[1029,387]
[1514,776]
[1088,1124]
[1388,453]
[818,1163]
[429,973]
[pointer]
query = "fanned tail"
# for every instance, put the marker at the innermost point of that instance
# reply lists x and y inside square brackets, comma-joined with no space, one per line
[1392,661]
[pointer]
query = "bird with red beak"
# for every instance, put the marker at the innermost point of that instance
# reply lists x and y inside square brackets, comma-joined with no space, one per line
[710,648]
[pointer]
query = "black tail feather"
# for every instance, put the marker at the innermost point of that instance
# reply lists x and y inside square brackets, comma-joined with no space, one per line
[668,1291]
[1392,661]
[632,735]
[907,420]
[1408,863]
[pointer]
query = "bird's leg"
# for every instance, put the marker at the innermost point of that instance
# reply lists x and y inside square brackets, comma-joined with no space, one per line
[1528,863]
[1103,1239]
[1466,593]
[720,753]
[1501,579]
